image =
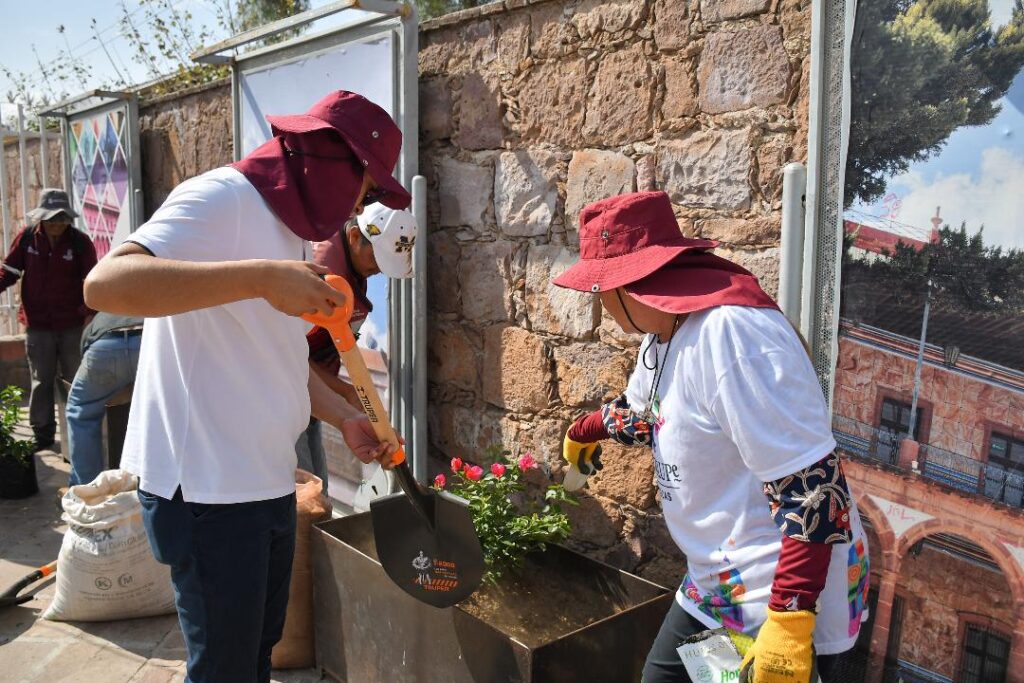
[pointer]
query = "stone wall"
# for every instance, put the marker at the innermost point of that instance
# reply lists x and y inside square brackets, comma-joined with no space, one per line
[529,111]
[182,136]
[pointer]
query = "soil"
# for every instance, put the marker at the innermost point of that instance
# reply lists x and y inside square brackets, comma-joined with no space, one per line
[557,593]
[546,601]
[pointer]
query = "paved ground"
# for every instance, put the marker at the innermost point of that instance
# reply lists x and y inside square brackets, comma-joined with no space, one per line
[32,649]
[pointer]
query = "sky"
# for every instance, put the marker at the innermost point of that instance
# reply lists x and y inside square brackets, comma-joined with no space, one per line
[977,178]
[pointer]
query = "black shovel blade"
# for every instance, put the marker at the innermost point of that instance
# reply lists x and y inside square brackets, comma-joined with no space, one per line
[434,555]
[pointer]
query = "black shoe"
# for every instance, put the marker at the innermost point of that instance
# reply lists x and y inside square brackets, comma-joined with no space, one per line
[44,444]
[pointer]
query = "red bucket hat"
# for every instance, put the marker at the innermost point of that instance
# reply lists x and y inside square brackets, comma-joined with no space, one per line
[624,239]
[366,129]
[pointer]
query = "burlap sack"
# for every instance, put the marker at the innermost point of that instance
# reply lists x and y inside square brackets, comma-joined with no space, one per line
[296,649]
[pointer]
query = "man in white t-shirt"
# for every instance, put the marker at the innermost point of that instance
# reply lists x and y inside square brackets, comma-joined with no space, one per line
[224,387]
[725,395]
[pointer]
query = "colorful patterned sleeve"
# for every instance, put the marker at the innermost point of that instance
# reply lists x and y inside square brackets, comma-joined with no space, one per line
[812,505]
[625,426]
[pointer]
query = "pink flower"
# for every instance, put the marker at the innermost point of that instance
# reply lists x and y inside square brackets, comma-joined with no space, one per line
[474,473]
[456,464]
[439,481]
[497,469]
[526,462]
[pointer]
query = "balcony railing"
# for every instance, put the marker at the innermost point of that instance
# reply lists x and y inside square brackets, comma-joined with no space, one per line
[952,469]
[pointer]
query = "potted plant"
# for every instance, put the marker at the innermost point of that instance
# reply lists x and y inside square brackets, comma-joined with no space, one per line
[17,460]
[543,613]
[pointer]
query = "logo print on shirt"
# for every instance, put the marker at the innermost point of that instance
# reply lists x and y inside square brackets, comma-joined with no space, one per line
[69,256]
[32,250]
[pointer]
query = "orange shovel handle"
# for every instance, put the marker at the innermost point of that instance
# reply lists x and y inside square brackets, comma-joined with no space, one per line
[337,325]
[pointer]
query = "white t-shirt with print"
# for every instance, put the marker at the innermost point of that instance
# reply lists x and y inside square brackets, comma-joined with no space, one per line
[221,394]
[738,404]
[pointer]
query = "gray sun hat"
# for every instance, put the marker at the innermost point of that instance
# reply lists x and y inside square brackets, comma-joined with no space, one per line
[52,202]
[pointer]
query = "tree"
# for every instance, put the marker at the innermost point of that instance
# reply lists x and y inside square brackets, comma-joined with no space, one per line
[920,70]
[248,14]
[964,272]
[435,8]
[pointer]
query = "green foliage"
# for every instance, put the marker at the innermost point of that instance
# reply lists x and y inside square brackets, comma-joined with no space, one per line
[249,14]
[964,272]
[428,9]
[10,412]
[920,70]
[510,525]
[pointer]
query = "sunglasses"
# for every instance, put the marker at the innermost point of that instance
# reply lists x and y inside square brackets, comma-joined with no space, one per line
[372,196]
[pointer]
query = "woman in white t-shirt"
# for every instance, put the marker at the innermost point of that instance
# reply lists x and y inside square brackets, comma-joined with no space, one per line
[726,397]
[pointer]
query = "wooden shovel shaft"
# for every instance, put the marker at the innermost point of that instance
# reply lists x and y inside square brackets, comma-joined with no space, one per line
[370,400]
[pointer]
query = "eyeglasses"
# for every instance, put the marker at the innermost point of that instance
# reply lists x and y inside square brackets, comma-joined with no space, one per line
[372,196]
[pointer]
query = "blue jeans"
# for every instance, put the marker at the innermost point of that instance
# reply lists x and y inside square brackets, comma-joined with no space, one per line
[231,566]
[108,366]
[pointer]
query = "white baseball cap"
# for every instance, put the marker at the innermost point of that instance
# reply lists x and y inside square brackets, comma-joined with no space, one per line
[392,234]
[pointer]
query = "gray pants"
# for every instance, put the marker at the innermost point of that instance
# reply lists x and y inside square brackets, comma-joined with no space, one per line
[48,352]
[309,450]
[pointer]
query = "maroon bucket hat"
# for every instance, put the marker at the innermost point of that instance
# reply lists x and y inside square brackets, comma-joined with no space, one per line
[367,129]
[624,239]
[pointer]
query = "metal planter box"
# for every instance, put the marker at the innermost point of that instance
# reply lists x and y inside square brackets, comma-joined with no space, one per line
[368,630]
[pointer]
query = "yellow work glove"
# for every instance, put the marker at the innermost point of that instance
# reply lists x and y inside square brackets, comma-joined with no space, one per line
[783,651]
[586,457]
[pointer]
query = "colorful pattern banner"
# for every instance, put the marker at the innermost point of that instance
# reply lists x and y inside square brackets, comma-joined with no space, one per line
[99,174]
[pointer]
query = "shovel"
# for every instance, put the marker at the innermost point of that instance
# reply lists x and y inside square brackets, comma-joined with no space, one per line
[425,539]
[10,597]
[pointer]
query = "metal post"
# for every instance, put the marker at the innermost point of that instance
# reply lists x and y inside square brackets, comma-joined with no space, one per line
[22,160]
[43,153]
[419,349]
[920,361]
[8,305]
[791,266]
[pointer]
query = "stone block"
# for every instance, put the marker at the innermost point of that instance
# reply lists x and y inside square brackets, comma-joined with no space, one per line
[443,253]
[453,357]
[680,91]
[464,190]
[540,436]
[743,69]
[764,264]
[513,40]
[740,231]
[525,192]
[551,34]
[593,17]
[554,309]
[627,477]
[671,24]
[596,521]
[712,11]
[517,370]
[551,103]
[590,374]
[464,432]
[772,155]
[708,169]
[435,109]
[479,113]
[484,281]
[621,99]
[646,167]
[594,175]
[12,348]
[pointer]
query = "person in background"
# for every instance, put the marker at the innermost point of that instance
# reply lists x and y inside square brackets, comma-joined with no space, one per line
[223,388]
[381,240]
[725,396]
[110,360]
[52,258]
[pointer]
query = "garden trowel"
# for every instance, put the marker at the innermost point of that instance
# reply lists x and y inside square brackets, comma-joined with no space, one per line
[425,539]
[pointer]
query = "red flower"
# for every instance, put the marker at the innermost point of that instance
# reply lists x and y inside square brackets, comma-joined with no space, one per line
[526,462]
[456,464]
[439,481]
[497,469]
[474,473]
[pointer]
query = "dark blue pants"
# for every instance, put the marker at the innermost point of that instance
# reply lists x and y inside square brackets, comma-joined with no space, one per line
[231,566]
